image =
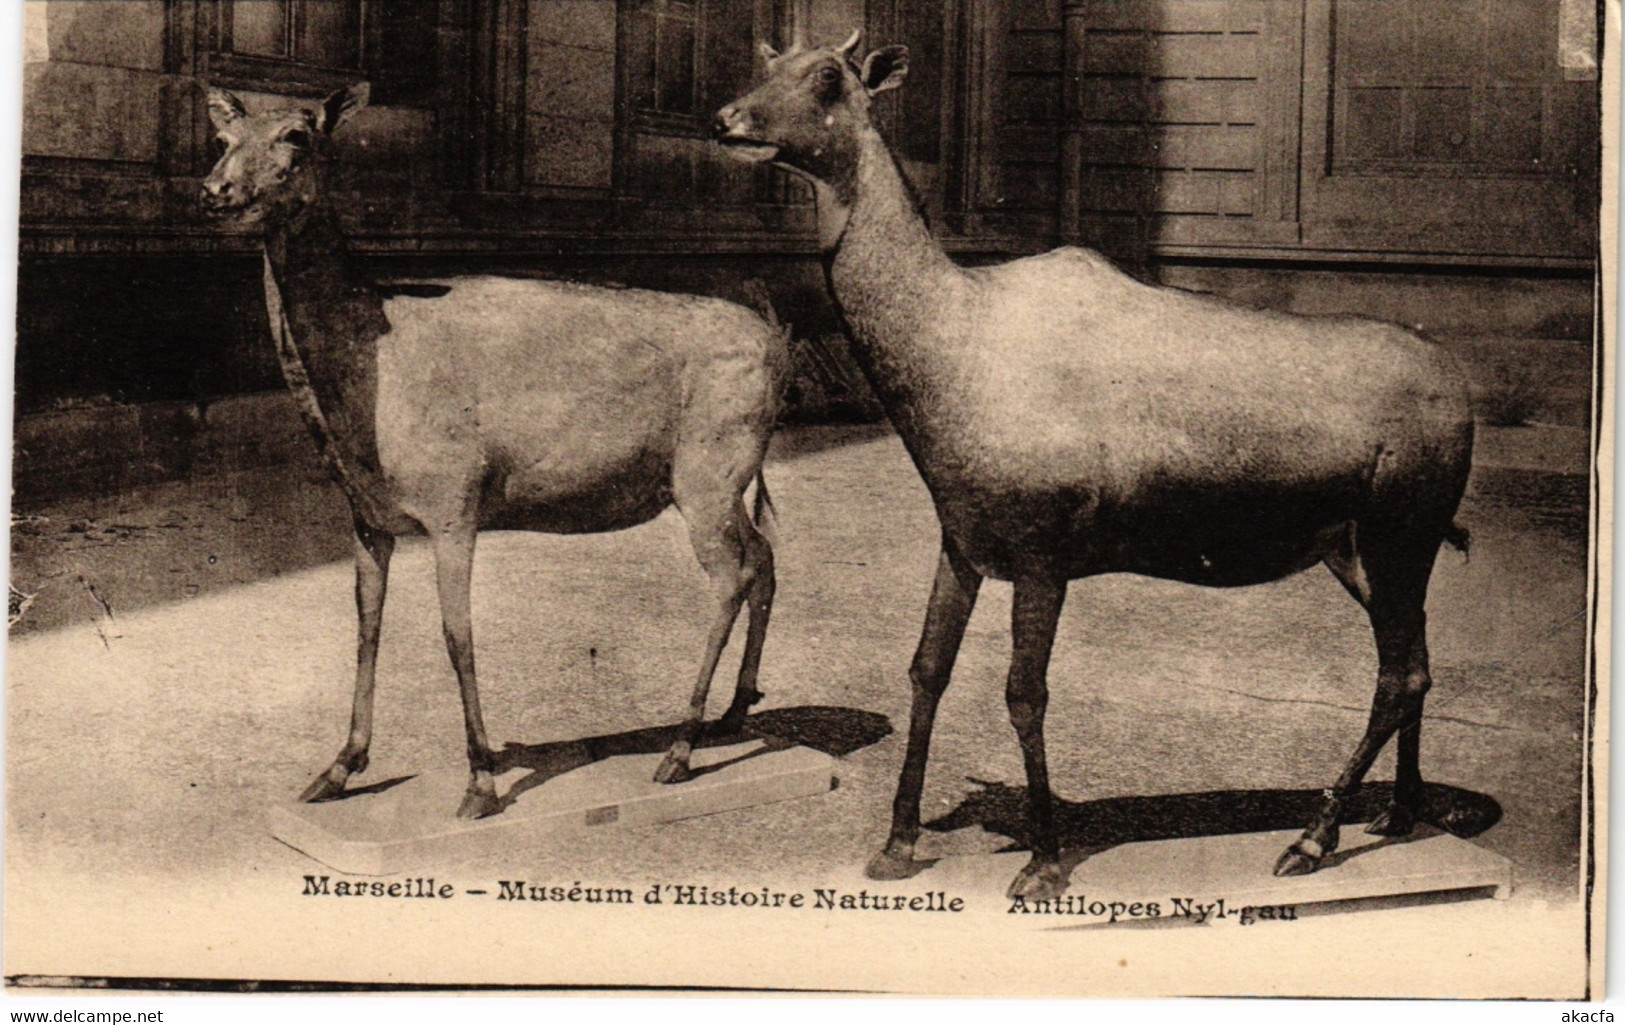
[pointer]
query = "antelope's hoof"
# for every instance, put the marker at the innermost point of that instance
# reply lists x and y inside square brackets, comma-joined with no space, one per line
[1301,859]
[673,770]
[1398,820]
[1040,880]
[733,720]
[479,804]
[891,864]
[324,788]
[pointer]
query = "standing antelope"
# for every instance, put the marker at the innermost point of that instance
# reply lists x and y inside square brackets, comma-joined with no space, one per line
[495,403]
[1070,421]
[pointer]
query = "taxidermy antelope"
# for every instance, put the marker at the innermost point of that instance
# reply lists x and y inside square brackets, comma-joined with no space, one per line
[1071,421]
[495,403]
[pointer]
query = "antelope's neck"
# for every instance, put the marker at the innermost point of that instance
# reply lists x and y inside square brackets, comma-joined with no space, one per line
[902,297]
[328,306]
[326,322]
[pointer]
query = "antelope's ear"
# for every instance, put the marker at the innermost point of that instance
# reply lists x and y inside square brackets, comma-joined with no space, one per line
[339,107]
[224,108]
[768,53]
[884,69]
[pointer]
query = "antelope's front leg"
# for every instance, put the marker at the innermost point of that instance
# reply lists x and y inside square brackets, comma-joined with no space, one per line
[953,598]
[373,549]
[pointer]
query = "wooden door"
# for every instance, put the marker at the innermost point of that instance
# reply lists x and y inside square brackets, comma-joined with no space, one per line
[1446,127]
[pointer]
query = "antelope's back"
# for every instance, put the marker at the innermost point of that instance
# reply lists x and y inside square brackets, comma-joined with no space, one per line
[563,388]
[1115,362]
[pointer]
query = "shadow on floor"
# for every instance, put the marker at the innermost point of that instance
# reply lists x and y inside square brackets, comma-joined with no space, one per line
[1088,827]
[830,729]
[1525,500]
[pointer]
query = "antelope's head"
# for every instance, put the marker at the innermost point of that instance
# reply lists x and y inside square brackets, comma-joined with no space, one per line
[808,113]
[269,171]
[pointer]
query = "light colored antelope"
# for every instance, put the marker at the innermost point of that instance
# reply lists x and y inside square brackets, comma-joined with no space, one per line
[1071,421]
[496,403]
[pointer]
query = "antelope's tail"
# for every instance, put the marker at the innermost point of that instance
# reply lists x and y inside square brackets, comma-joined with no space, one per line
[763,506]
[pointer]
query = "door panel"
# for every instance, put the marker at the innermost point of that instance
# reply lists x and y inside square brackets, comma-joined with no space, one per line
[1445,126]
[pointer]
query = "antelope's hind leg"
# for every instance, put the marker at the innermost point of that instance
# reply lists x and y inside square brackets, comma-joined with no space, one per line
[739,563]
[1400,817]
[763,586]
[1390,578]
[373,549]
[454,577]
[1037,609]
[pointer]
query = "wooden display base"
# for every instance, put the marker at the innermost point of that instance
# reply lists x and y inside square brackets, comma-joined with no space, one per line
[1237,869]
[411,826]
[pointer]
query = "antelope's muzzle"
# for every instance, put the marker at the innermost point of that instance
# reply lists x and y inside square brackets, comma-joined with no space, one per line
[732,128]
[220,196]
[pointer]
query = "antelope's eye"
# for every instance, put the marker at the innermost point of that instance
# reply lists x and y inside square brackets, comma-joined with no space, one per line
[829,75]
[297,137]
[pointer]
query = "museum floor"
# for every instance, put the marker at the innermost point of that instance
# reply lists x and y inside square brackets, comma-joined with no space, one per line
[187,662]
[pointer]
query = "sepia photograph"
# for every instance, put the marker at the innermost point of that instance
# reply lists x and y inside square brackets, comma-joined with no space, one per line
[997,498]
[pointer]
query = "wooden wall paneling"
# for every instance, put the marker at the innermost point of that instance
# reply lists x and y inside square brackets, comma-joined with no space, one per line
[104,116]
[499,94]
[783,201]
[1276,107]
[728,62]
[183,104]
[916,118]
[570,87]
[1076,101]
[787,18]
[1181,124]
[951,168]
[1030,117]
[919,105]
[401,49]
[669,178]
[455,110]
[885,23]
[661,166]
[623,165]
[287,72]
[972,178]
[1445,129]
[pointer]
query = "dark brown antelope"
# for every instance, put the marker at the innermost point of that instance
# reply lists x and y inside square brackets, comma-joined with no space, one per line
[1070,421]
[496,403]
